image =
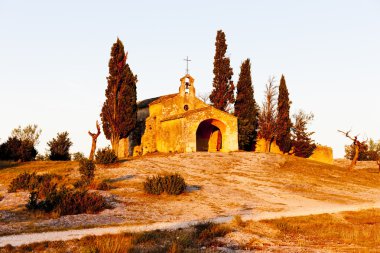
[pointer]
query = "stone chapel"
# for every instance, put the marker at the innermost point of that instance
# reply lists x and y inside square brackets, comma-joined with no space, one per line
[180,122]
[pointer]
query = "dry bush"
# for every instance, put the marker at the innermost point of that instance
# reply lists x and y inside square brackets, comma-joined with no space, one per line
[87,170]
[32,181]
[174,248]
[78,156]
[76,202]
[104,185]
[208,231]
[119,243]
[237,221]
[63,201]
[173,184]
[105,156]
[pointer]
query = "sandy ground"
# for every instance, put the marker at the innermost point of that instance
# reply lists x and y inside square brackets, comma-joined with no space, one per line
[20,239]
[253,185]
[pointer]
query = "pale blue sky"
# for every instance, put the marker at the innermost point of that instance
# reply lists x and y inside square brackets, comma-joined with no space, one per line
[54,58]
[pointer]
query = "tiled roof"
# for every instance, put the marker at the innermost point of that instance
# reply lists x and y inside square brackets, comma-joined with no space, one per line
[182,115]
[146,102]
[163,98]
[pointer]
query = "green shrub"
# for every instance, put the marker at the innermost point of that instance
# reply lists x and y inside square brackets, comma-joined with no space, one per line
[30,182]
[103,186]
[79,201]
[207,231]
[67,202]
[87,170]
[40,157]
[153,185]
[172,184]
[59,147]
[33,201]
[78,156]
[105,156]
[17,150]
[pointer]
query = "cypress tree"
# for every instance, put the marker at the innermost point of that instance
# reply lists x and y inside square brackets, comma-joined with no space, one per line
[283,136]
[119,112]
[222,94]
[302,143]
[246,109]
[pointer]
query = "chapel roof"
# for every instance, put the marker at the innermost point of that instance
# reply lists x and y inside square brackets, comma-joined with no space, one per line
[150,101]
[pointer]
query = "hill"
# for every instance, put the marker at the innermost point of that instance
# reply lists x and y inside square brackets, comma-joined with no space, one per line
[220,185]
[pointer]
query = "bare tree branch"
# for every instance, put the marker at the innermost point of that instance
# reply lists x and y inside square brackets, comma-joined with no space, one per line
[357,145]
[94,137]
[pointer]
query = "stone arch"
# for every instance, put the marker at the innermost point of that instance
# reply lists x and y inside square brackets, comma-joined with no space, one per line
[210,135]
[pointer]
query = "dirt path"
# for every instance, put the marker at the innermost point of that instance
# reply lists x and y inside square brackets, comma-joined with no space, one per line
[20,239]
[221,185]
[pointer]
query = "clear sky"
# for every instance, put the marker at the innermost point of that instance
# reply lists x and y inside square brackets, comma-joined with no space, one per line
[54,58]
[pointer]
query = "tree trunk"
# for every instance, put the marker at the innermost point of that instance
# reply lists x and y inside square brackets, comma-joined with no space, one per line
[93,148]
[267,146]
[115,145]
[94,139]
[355,159]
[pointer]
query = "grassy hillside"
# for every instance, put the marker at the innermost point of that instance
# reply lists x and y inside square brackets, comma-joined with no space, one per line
[253,185]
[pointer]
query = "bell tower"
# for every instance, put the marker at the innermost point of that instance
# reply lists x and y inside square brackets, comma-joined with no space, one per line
[187,92]
[187,86]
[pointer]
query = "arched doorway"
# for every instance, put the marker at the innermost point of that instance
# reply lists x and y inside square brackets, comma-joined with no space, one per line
[209,135]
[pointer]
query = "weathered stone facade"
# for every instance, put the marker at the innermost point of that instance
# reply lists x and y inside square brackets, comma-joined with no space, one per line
[182,123]
[323,154]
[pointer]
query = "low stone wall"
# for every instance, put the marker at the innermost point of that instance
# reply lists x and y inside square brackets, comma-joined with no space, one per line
[323,154]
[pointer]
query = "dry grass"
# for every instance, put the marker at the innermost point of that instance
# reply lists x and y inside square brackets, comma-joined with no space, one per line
[182,240]
[10,170]
[108,244]
[341,232]
[220,184]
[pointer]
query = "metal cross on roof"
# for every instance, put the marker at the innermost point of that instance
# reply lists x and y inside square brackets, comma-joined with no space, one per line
[187,64]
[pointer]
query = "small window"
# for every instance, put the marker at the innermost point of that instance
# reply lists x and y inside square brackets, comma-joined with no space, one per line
[186,107]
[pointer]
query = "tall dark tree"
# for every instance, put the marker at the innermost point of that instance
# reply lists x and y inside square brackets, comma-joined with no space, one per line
[302,143]
[119,112]
[17,150]
[283,136]
[222,95]
[60,147]
[246,109]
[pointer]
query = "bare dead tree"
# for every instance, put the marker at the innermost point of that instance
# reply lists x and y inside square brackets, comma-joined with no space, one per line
[94,139]
[357,146]
[205,97]
[268,115]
